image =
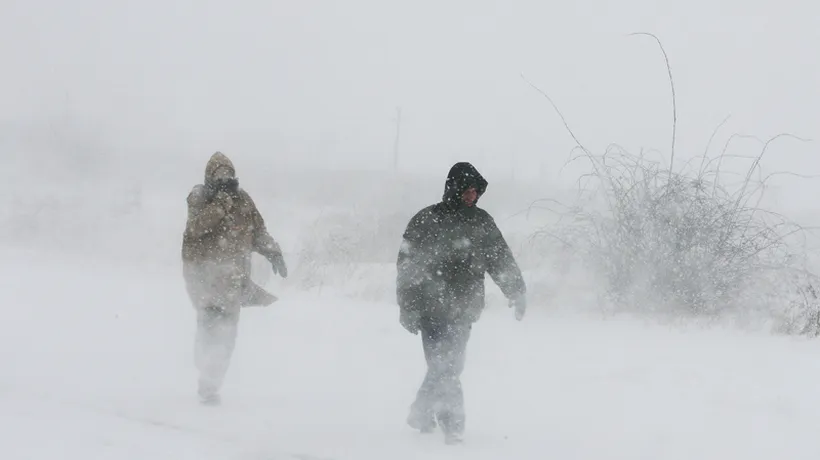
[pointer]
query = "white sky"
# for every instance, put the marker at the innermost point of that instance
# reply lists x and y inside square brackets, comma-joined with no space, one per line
[317,82]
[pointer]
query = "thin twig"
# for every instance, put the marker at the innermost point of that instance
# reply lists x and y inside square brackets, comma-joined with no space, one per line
[674,103]
[554,106]
[711,138]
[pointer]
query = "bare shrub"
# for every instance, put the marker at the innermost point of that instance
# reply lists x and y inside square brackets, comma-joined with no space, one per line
[801,312]
[675,242]
[683,240]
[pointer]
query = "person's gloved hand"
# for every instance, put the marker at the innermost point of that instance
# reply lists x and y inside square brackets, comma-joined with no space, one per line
[277,262]
[519,303]
[410,320]
[219,198]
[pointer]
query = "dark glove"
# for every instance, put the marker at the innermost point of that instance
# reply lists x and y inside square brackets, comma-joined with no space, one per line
[213,195]
[410,320]
[520,305]
[277,262]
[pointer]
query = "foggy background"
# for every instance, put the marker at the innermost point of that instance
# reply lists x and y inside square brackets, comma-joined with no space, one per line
[317,83]
[108,113]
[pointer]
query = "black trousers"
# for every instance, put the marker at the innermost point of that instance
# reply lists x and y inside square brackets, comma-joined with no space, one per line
[440,394]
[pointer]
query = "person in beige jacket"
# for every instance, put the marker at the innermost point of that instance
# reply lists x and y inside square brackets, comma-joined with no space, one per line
[224,227]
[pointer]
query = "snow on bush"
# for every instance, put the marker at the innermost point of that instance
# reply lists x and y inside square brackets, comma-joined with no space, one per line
[677,242]
[684,241]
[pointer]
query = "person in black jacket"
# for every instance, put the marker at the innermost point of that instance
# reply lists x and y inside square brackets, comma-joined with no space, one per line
[446,250]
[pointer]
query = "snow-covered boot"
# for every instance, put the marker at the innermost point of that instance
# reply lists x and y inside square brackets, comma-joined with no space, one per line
[453,438]
[208,394]
[424,422]
[452,424]
[210,400]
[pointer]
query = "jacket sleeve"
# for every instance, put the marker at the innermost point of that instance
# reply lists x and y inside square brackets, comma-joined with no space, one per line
[203,215]
[263,242]
[501,264]
[411,264]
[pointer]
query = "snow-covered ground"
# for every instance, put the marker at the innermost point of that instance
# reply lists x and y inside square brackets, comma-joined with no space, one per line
[96,363]
[342,119]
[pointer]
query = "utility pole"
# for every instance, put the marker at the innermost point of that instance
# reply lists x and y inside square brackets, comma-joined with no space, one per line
[396,143]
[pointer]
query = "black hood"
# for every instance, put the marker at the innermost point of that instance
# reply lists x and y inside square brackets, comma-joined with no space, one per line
[462,176]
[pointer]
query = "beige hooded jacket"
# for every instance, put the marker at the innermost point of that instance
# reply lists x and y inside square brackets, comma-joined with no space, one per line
[222,231]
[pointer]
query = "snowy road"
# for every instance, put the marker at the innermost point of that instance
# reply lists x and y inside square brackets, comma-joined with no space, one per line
[96,364]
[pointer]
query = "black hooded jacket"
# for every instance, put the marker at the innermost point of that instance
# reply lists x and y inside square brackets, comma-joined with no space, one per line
[446,251]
